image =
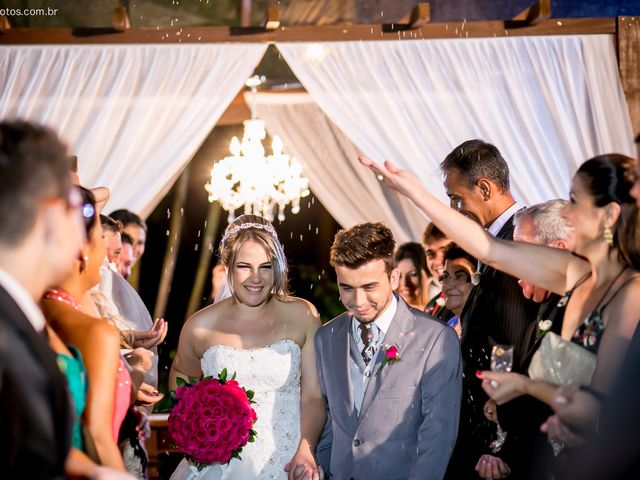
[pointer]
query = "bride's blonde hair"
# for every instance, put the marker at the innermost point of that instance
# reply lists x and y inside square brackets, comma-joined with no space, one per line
[260,230]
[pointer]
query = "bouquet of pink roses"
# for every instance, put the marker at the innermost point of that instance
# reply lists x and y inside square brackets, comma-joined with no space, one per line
[212,419]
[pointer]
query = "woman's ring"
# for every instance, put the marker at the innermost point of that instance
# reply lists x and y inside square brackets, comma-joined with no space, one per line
[380,177]
[493,383]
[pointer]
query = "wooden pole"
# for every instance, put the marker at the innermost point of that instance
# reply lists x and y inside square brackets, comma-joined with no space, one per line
[628,36]
[245,13]
[205,255]
[175,234]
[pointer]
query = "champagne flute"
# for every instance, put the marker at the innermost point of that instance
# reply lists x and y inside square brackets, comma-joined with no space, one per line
[502,358]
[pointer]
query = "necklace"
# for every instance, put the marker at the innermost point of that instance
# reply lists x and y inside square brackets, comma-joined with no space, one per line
[62,296]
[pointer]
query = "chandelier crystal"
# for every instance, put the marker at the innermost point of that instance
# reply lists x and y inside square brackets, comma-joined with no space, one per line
[249,179]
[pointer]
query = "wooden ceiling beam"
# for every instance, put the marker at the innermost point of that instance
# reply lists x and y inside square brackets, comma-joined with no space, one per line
[302,33]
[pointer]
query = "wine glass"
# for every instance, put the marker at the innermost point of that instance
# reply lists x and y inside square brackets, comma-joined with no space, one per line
[502,358]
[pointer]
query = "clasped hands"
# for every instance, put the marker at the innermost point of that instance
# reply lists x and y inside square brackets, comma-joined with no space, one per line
[303,466]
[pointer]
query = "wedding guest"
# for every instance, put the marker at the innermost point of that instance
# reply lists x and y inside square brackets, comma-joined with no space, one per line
[135,227]
[390,374]
[126,259]
[541,224]
[526,451]
[40,235]
[435,242]
[109,380]
[265,336]
[120,304]
[613,447]
[459,266]
[411,263]
[133,322]
[598,275]
[111,230]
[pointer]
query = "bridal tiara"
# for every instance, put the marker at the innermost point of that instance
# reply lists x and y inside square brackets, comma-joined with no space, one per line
[244,226]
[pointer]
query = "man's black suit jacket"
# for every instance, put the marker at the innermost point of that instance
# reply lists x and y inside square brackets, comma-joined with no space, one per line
[35,410]
[527,451]
[496,312]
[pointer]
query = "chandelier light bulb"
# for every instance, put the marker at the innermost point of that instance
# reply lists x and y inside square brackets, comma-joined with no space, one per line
[276,146]
[234,147]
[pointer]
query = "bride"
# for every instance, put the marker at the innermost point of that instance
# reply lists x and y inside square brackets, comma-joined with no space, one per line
[266,337]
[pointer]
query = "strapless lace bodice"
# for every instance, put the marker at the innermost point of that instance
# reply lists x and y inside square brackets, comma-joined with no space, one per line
[269,370]
[273,373]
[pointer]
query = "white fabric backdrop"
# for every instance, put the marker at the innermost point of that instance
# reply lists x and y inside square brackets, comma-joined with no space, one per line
[349,192]
[548,103]
[134,114]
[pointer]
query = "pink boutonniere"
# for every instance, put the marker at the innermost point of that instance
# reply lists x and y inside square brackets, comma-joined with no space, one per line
[390,356]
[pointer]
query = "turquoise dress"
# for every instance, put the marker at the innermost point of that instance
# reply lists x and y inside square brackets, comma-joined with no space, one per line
[74,371]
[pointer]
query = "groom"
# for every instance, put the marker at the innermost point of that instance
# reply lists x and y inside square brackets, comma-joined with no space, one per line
[388,419]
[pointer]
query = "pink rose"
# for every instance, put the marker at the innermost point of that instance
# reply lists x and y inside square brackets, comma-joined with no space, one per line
[392,352]
[180,392]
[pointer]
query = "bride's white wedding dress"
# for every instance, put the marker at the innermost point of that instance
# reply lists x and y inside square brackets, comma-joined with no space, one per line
[273,373]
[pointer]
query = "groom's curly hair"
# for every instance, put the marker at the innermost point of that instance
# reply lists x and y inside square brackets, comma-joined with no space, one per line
[361,244]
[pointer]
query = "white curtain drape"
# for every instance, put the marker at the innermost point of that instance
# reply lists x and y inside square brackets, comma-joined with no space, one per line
[349,192]
[134,114]
[548,103]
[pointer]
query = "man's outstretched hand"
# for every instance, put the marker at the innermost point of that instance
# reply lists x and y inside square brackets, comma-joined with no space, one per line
[393,177]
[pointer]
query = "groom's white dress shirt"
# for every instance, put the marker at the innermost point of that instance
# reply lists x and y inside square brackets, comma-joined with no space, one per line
[359,377]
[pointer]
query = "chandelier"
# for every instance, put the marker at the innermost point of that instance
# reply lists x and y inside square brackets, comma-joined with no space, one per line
[249,179]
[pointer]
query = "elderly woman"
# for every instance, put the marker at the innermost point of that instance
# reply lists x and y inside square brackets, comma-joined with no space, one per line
[456,282]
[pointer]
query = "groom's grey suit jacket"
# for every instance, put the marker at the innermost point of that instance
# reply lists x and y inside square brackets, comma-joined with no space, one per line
[408,421]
